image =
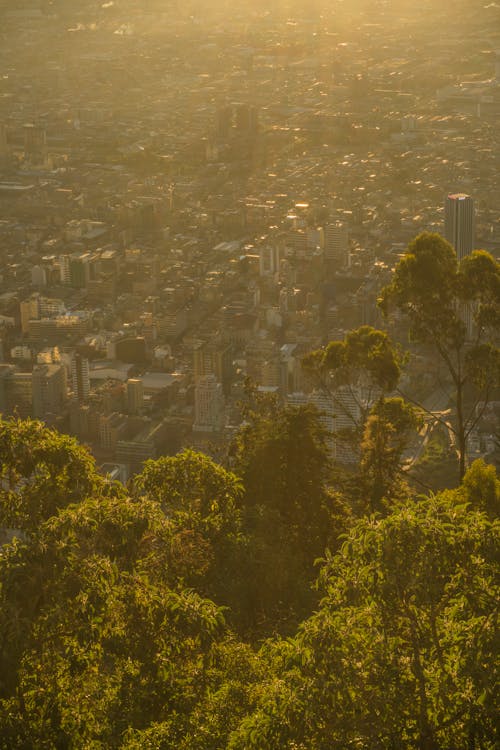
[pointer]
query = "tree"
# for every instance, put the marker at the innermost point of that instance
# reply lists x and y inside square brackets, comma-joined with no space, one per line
[388,430]
[191,484]
[435,466]
[365,354]
[282,462]
[402,652]
[356,373]
[233,678]
[289,517]
[365,362]
[41,471]
[438,295]
[481,488]
[101,643]
[203,502]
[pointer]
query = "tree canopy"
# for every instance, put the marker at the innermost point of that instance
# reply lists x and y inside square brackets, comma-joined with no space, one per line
[41,471]
[134,618]
[402,651]
[365,353]
[101,640]
[282,458]
[455,307]
[203,502]
[390,426]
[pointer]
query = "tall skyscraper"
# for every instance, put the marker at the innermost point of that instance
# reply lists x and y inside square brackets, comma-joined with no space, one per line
[49,390]
[135,395]
[208,405]
[269,259]
[459,223]
[80,378]
[213,358]
[30,310]
[336,242]
[459,228]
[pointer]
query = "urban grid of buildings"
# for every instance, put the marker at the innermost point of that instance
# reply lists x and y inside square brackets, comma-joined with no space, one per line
[185,205]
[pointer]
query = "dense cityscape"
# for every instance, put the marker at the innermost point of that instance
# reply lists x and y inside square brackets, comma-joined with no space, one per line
[249,374]
[188,202]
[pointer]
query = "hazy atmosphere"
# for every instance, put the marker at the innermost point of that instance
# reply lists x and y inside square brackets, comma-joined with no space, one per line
[249,374]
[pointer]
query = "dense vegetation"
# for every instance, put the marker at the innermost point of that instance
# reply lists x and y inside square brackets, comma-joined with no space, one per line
[142,618]
[273,602]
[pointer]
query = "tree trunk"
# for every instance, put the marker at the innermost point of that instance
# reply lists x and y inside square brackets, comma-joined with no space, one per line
[461,437]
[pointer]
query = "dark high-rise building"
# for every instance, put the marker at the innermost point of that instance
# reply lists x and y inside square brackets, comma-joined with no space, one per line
[336,243]
[459,227]
[80,378]
[135,395]
[48,390]
[459,223]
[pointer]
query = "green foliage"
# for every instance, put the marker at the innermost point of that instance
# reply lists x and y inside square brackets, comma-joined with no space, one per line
[99,638]
[390,426]
[40,472]
[367,358]
[202,501]
[283,461]
[232,676]
[365,352]
[372,350]
[108,639]
[402,651]
[481,488]
[479,283]
[424,287]
[482,366]
[191,486]
[436,294]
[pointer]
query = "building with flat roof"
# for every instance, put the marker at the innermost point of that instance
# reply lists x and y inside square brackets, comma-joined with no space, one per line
[49,390]
[208,405]
[80,378]
[459,223]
